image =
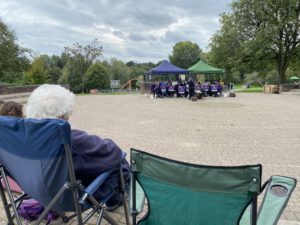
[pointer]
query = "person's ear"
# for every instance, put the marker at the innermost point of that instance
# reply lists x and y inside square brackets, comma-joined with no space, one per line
[64,117]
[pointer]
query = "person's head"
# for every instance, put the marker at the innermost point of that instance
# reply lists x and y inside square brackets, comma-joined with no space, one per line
[50,101]
[11,108]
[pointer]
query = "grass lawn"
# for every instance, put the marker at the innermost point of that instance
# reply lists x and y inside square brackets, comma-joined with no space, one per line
[240,88]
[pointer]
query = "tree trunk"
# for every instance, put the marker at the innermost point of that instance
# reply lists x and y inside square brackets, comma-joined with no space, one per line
[282,65]
[282,75]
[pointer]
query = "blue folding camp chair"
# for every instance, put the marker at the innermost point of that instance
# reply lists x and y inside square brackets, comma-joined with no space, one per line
[214,89]
[181,90]
[37,155]
[180,193]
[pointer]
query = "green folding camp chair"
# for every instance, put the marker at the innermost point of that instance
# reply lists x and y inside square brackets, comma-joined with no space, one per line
[180,193]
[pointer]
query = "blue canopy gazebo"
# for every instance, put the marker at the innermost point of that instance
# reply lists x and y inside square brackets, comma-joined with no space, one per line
[165,68]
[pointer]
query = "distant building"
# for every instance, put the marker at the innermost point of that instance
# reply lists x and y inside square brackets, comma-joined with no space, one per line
[115,84]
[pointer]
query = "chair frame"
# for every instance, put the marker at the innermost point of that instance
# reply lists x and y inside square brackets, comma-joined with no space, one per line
[73,185]
[134,211]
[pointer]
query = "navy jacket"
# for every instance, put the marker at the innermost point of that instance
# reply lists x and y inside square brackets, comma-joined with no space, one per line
[92,156]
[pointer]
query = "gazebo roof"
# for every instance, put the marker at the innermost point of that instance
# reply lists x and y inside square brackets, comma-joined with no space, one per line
[203,68]
[166,68]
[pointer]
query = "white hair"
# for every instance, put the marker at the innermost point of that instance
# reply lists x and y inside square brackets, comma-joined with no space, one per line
[50,101]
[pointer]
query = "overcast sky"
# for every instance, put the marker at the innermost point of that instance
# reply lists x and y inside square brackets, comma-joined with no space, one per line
[137,30]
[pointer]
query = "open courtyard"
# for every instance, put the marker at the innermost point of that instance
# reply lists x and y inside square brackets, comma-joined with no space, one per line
[248,129]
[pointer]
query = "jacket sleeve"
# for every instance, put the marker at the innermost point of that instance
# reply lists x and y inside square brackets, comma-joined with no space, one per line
[93,155]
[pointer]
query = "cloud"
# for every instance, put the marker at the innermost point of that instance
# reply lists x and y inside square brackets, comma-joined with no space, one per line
[127,29]
[141,37]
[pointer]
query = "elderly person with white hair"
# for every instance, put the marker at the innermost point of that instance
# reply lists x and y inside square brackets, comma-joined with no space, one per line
[92,155]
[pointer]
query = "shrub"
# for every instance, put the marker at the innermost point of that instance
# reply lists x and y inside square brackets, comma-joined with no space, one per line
[96,77]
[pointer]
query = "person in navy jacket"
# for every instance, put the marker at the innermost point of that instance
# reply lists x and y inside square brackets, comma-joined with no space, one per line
[92,155]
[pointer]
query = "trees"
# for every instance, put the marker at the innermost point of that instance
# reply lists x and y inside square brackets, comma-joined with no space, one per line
[185,54]
[54,74]
[259,33]
[119,71]
[97,77]
[85,54]
[44,69]
[55,68]
[13,61]
[73,75]
[79,59]
[38,73]
[225,48]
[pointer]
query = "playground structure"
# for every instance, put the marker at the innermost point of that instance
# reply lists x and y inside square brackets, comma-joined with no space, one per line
[128,84]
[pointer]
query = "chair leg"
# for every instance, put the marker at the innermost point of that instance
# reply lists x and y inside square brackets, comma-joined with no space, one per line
[109,218]
[89,216]
[100,217]
[11,198]
[78,210]
[73,182]
[6,206]
[126,211]
[134,211]
[105,215]
[51,204]
[254,210]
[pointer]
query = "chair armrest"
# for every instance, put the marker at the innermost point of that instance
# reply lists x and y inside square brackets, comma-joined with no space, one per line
[101,178]
[275,200]
[98,182]
[277,195]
